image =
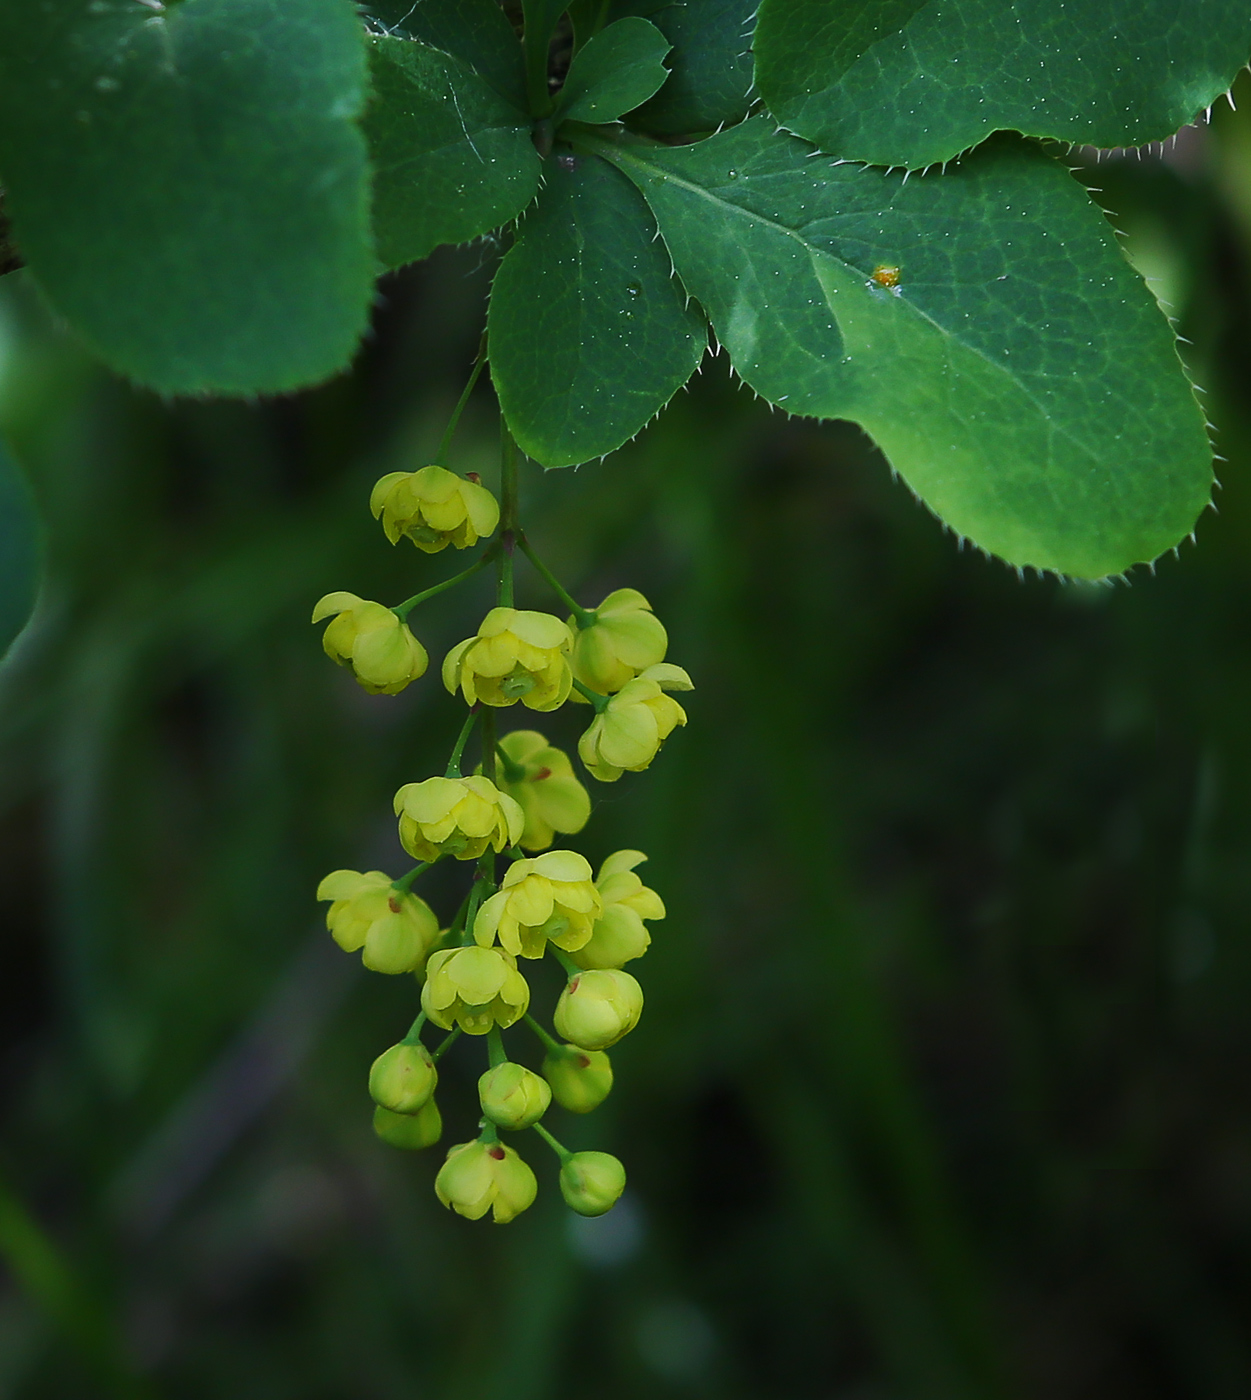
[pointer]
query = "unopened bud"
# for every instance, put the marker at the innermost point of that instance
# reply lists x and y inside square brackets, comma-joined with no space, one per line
[598,1007]
[410,1130]
[591,1182]
[513,1096]
[580,1079]
[403,1078]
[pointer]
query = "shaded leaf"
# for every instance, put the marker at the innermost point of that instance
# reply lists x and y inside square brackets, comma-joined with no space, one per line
[189,186]
[19,550]
[911,82]
[614,72]
[590,335]
[710,65]
[451,158]
[1019,375]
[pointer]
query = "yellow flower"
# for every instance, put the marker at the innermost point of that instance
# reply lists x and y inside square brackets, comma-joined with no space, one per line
[597,1008]
[515,656]
[626,734]
[458,817]
[434,508]
[475,988]
[581,1079]
[394,928]
[382,653]
[403,1078]
[540,779]
[410,1130]
[619,933]
[550,898]
[513,1096]
[625,639]
[481,1176]
[592,1182]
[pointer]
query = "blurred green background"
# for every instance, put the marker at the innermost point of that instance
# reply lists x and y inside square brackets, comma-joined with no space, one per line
[942,1086]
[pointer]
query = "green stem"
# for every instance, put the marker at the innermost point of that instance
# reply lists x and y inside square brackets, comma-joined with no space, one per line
[599,701]
[495,1047]
[405,882]
[445,1044]
[510,529]
[402,610]
[562,1152]
[489,747]
[414,1031]
[513,772]
[453,763]
[586,617]
[552,1046]
[537,48]
[489,1133]
[565,961]
[450,430]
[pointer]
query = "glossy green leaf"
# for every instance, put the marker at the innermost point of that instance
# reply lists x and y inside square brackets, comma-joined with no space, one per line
[451,157]
[19,550]
[189,186]
[1020,375]
[590,335]
[475,31]
[911,82]
[613,73]
[711,64]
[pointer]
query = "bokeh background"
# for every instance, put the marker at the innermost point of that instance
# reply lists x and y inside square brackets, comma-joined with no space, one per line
[942,1087]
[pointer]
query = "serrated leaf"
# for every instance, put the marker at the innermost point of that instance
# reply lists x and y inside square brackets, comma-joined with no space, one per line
[614,72]
[589,334]
[19,550]
[1019,375]
[475,31]
[189,186]
[912,82]
[452,159]
[710,65]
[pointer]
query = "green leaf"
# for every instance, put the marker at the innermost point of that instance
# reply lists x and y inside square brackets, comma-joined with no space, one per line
[475,31]
[614,72]
[1020,376]
[711,64]
[590,335]
[19,550]
[189,186]
[451,158]
[912,82]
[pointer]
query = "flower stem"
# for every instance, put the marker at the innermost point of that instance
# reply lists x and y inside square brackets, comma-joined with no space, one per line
[450,430]
[586,617]
[599,701]
[402,610]
[509,527]
[564,960]
[495,1047]
[445,1044]
[562,1152]
[414,1031]
[488,746]
[453,763]
[405,882]
[553,1047]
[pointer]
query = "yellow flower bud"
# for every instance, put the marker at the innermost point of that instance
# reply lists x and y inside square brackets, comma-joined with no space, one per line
[380,650]
[549,898]
[624,640]
[628,732]
[619,933]
[513,1096]
[598,1007]
[410,1130]
[434,508]
[481,1176]
[403,1078]
[540,779]
[475,988]
[395,929]
[458,817]
[515,656]
[581,1079]
[591,1182]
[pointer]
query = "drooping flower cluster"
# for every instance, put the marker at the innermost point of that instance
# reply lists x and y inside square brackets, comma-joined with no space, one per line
[523,795]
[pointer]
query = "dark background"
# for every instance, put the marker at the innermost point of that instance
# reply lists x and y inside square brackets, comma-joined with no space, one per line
[941,1090]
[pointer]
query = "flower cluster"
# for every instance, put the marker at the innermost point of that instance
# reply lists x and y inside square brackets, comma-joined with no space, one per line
[521,797]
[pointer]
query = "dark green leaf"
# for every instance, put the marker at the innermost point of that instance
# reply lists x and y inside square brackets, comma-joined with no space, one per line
[911,82]
[1019,376]
[590,335]
[189,186]
[711,64]
[475,31]
[451,158]
[614,72]
[19,550]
